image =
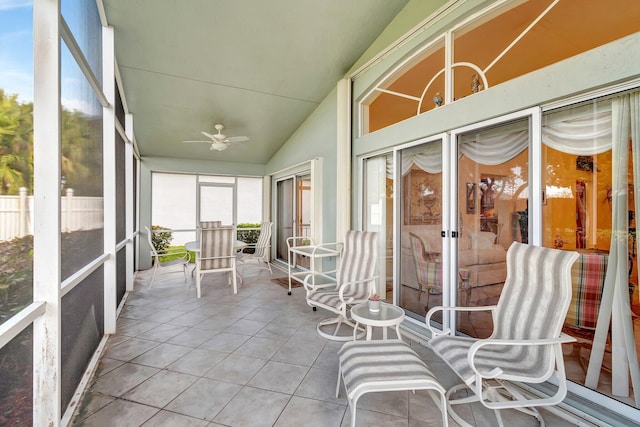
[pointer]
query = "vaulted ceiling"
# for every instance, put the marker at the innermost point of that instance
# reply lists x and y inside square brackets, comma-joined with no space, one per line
[259,67]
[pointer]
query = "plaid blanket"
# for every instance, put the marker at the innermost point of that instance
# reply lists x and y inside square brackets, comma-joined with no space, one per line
[587,277]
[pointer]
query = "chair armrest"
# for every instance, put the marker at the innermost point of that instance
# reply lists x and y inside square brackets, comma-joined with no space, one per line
[435,309]
[344,286]
[182,252]
[476,346]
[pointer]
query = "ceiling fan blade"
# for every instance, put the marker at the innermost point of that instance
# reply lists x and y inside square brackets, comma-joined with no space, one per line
[237,138]
[208,142]
[208,135]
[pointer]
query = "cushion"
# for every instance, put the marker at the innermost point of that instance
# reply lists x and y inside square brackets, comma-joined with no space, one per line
[482,240]
[464,242]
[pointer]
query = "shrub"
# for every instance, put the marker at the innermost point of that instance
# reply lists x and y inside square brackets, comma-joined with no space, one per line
[248,236]
[162,239]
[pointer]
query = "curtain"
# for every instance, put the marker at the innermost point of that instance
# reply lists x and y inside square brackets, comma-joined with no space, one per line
[615,303]
[484,148]
[581,131]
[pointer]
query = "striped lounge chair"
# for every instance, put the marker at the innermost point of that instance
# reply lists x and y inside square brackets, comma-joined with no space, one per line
[262,249]
[526,343]
[354,284]
[385,365]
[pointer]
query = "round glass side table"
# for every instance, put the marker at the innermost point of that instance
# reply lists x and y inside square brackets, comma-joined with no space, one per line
[389,316]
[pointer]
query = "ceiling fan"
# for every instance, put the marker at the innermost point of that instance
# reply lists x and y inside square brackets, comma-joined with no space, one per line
[220,142]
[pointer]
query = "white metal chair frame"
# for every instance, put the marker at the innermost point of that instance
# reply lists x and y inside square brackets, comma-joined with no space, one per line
[262,249]
[217,254]
[527,338]
[354,283]
[183,257]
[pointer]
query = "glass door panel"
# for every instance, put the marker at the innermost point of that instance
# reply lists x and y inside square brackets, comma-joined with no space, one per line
[284,216]
[303,206]
[492,199]
[589,206]
[420,228]
[378,216]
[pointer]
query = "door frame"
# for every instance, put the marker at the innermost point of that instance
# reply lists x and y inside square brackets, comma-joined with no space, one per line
[233,188]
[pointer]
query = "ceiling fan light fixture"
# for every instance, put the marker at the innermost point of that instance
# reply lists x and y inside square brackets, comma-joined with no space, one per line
[218,146]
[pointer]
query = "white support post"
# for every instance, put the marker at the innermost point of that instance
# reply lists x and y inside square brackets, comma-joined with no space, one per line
[316,200]
[109,184]
[129,199]
[46,225]
[343,159]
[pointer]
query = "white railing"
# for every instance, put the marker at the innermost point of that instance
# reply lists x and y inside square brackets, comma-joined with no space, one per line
[78,213]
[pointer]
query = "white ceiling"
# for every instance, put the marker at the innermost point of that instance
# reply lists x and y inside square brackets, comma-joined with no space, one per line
[259,67]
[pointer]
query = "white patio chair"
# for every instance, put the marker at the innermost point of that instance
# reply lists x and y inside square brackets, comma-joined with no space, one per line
[526,343]
[261,248]
[176,257]
[354,283]
[217,255]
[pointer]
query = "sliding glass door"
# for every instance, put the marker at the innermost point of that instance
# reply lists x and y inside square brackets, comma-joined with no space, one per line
[293,214]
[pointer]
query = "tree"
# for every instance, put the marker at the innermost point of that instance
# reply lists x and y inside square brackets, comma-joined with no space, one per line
[14,156]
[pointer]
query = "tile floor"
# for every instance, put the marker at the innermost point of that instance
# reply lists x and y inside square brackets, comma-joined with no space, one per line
[251,359]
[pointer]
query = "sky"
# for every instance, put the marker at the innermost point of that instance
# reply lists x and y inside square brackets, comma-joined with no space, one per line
[16,57]
[16,48]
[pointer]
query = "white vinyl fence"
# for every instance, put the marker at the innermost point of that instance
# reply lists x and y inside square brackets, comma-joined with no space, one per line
[78,213]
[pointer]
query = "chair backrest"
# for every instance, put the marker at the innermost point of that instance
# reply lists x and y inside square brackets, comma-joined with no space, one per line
[210,224]
[216,248]
[359,258]
[535,297]
[152,248]
[587,278]
[264,240]
[428,272]
[207,224]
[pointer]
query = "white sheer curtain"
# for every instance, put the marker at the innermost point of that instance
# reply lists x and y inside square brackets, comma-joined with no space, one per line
[492,147]
[569,131]
[615,303]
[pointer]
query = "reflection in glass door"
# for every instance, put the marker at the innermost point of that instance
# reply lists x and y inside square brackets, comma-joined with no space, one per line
[421,225]
[492,199]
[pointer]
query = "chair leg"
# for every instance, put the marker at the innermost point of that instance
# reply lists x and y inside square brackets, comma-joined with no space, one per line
[464,400]
[198,283]
[339,381]
[153,277]
[338,321]
[235,283]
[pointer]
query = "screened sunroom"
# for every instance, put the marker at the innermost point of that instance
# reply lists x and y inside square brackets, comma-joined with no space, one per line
[467,124]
